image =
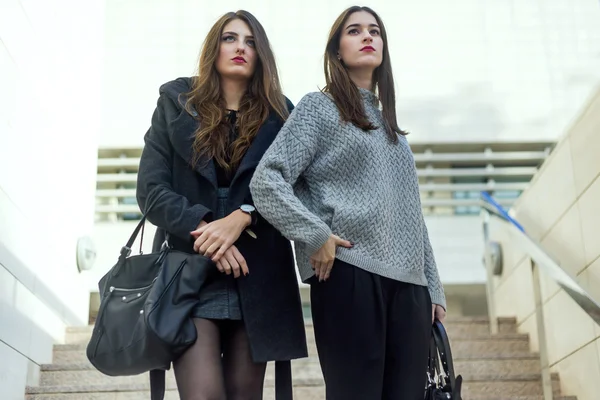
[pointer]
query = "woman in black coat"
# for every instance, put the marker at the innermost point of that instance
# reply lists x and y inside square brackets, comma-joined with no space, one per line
[207,136]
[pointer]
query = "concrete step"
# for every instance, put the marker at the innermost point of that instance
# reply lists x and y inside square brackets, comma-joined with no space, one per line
[303,370]
[541,397]
[462,346]
[457,326]
[299,394]
[494,364]
[478,325]
[473,386]
[62,374]
[170,394]
[510,386]
[483,346]
[498,367]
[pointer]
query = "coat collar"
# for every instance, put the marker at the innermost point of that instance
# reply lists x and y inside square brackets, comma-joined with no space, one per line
[181,133]
[263,139]
[182,138]
[183,124]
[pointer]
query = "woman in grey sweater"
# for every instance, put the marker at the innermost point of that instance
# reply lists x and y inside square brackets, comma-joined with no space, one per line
[340,181]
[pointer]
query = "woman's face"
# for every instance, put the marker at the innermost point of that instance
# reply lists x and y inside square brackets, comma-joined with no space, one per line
[237,53]
[361,45]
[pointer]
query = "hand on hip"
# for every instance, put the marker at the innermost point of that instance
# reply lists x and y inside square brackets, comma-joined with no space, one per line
[322,260]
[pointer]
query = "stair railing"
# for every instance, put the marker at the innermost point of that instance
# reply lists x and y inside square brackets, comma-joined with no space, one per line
[540,261]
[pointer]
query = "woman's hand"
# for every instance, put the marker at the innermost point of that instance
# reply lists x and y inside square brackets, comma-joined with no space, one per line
[233,262]
[213,239]
[322,260]
[438,312]
[201,224]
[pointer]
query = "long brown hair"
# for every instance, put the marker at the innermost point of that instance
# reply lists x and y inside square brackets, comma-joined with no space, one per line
[346,94]
[206,98]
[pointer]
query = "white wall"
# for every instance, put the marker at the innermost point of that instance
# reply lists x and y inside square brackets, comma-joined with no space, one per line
[457,244]
[566,227]
[108,238]
[470,70]
[49,118]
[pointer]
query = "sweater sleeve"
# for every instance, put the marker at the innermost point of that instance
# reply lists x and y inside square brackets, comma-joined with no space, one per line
[171,211]
[290,154]
[436,290]
[248,199]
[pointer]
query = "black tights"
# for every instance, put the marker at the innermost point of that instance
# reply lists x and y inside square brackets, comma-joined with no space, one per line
[219,365]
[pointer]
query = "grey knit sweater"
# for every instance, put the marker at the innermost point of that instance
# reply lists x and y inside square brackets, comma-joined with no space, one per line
[323,176]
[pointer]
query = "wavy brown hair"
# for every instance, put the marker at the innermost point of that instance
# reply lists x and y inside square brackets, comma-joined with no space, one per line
[263,96]
[346,94]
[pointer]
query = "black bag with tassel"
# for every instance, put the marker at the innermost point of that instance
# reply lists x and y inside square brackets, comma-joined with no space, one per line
[442,384]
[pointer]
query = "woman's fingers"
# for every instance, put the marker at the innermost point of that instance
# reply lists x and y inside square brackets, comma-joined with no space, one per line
[317,265]
[208,249]
[220,267]
[230,259]
[322,270]
[240,260]
[224,244]
[328,270]
[343,243]
[226,266]
[199,231]
[198,242]
[440,313]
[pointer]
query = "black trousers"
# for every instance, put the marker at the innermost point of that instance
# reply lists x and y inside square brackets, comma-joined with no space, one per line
[372,335]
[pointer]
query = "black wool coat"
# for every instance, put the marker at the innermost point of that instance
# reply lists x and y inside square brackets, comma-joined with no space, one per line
[269,295]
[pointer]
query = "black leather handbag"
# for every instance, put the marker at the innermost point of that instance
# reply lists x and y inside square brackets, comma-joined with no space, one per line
[441,381]
[144,321]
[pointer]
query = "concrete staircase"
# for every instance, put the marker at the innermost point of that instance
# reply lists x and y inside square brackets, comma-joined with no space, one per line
[493,367]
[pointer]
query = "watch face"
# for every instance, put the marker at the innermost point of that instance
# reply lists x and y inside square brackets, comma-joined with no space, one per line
[247,208]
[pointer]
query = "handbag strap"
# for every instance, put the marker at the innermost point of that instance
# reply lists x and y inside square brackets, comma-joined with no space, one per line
[283,380]
[157,384]
[433,362]
[126,250]
[443,344]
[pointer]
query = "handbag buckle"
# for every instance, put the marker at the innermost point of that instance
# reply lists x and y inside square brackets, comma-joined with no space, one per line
[125,251]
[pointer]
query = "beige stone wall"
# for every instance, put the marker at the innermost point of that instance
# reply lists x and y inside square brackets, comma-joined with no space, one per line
[561,210]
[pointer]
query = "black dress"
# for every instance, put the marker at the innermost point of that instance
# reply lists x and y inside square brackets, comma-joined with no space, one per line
[219,298]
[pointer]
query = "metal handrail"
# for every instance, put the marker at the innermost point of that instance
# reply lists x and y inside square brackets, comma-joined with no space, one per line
[541,258]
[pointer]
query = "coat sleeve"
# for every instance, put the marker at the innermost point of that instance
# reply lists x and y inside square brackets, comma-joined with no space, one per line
[272,185]
[170,210]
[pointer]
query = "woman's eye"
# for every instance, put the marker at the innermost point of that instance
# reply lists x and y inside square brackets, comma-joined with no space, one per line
[251,43]
[353,31]
[228,38]
[374,32]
